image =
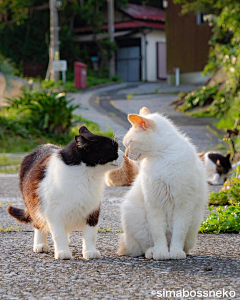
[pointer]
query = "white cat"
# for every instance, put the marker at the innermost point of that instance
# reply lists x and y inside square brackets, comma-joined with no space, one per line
[162,211]
[62,189]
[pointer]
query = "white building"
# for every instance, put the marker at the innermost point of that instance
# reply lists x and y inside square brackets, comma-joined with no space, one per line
[141,39]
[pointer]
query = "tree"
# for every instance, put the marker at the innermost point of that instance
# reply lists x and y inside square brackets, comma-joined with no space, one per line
[24,29]
[224,54]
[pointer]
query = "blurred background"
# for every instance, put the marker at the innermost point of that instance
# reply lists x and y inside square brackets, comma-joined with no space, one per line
[54,51]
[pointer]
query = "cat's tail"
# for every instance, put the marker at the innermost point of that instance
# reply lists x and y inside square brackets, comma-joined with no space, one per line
[20,215]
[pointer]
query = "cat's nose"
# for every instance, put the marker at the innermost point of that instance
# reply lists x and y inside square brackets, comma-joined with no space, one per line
[126,152]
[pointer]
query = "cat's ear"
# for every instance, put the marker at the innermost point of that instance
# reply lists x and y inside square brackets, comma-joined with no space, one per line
[140,121]
[84,137]
[83,130]
[81,141]
[228,156]
[144,111]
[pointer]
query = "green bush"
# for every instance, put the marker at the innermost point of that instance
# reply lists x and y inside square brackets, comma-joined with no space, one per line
[45,111]
[21,126]
[200,97]
[226,219]
[230,192]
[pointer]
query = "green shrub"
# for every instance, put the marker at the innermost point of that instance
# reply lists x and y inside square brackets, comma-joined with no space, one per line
[226,219]
[200,97]
[46,111]
[57,86]
[230,192]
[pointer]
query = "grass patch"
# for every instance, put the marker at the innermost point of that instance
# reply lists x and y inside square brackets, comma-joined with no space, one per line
[104,230]
[8,161]
[9,165]
[12,170]
[226,219]
[9,229]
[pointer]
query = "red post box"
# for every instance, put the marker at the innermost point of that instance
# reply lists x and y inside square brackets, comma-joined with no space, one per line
[80,75]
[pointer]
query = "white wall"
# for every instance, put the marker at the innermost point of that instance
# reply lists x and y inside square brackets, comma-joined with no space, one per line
[152,39]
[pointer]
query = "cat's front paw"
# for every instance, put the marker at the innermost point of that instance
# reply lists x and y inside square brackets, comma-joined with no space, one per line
[161,254]
[63,254]
[91,254]
[149,253]
[39,248]
[157,254]
[177,254]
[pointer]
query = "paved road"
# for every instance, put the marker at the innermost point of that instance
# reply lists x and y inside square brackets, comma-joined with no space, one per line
[113,104]
[213,265]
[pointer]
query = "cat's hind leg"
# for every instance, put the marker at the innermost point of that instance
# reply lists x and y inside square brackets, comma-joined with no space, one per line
[182,220]
[191,237]
[136,238]
[89,241]
[40,241]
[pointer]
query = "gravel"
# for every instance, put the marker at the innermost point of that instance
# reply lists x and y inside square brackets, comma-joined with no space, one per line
[213,265]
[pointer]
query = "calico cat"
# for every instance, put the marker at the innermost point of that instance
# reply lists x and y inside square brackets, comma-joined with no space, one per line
[162,211]
[123,176]
[218,167]
[62,190]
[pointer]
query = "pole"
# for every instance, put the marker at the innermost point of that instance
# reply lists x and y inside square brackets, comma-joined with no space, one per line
[111,30]
[54,40]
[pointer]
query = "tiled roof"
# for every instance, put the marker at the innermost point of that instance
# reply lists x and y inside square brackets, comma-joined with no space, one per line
[145,12]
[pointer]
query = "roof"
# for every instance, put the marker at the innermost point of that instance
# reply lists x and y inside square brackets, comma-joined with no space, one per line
[142,17]
[127,25]
[144,12]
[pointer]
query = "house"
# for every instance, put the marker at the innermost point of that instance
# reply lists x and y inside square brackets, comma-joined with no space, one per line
[187,44]
[141,40]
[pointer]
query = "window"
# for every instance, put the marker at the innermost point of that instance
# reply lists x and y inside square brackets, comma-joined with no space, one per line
[201,19]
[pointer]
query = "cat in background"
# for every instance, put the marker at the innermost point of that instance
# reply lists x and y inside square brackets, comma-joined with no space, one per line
[62,190]
[218,167]
[162,211]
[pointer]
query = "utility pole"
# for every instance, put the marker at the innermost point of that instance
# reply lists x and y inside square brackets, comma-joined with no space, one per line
[111,30]
[54,41]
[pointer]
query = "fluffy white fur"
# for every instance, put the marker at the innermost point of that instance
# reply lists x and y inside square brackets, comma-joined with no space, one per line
[162,211]
[69,194]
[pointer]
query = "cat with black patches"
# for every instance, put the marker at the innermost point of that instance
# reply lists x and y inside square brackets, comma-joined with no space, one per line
[62,190]
[218,167]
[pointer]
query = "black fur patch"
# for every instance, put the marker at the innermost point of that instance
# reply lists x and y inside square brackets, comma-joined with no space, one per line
[20,215]
[90,149]
[92,219]
[223,164]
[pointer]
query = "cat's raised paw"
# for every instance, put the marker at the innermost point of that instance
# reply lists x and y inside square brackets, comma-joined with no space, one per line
[63,254]
[91,254]
[177,254]
[41,248]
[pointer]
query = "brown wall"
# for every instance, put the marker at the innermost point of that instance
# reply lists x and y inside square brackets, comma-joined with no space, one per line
[187,42]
